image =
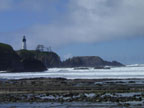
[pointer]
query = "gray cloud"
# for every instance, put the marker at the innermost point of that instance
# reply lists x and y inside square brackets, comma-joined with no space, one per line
[89,21]
[96,20]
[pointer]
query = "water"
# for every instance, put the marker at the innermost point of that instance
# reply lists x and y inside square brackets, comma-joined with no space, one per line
[64,105]
[131,71]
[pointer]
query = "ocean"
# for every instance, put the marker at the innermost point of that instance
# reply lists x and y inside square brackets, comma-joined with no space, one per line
[134,72]
[127,72]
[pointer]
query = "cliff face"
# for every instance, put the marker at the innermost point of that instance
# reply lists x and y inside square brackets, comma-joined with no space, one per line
[88,61]
[49,59]
[9,60]
[31,61]
[113,63]
[33,65]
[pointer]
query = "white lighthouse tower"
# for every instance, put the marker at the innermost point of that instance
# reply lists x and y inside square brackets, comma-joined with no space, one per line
[24,47]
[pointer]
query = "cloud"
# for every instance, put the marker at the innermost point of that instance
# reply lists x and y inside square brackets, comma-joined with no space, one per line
[89,21]
[106,19]
[96,20]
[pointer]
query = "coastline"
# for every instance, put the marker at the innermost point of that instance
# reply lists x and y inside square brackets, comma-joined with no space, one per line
[67,88]
[94,92]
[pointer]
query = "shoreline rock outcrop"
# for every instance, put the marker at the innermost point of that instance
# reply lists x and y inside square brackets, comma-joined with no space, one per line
[32,61]
[33,65]
[10,61]
[49,59]
[88,61]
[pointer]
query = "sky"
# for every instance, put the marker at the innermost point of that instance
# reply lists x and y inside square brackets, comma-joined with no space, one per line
[111,29]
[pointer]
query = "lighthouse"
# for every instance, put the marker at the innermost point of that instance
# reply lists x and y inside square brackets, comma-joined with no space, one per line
[24,47]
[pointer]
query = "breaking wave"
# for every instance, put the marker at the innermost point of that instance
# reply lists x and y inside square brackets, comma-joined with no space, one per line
[129,71]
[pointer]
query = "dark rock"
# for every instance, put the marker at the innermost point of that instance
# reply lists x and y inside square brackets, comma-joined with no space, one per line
[85,61]
[9,60]
[81,68]
[101,67]
[113,63]
[30,63]
[31,60]
[89,61]
[33,65]
[49,59]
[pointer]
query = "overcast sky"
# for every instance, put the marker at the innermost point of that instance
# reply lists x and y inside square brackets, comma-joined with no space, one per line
[112,29]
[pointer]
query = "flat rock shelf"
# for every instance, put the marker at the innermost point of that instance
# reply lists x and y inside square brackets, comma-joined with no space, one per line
[89,93]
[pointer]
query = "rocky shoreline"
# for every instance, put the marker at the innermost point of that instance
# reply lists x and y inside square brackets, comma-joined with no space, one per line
[38,61]
[122,92]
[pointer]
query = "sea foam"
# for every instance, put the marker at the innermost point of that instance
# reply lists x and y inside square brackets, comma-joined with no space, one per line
[90,73]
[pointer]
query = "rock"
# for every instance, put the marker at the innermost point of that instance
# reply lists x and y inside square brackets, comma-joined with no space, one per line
[29,61]
[88,61]
[113,63]
[9,60]
[85,61]
[81,68]
[33,65]
[101,67]
[49,59]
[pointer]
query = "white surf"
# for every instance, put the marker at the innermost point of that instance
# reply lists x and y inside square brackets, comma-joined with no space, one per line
[130,71]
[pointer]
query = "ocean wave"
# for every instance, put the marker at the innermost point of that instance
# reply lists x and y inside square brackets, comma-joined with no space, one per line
[71,73]
[135,65]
